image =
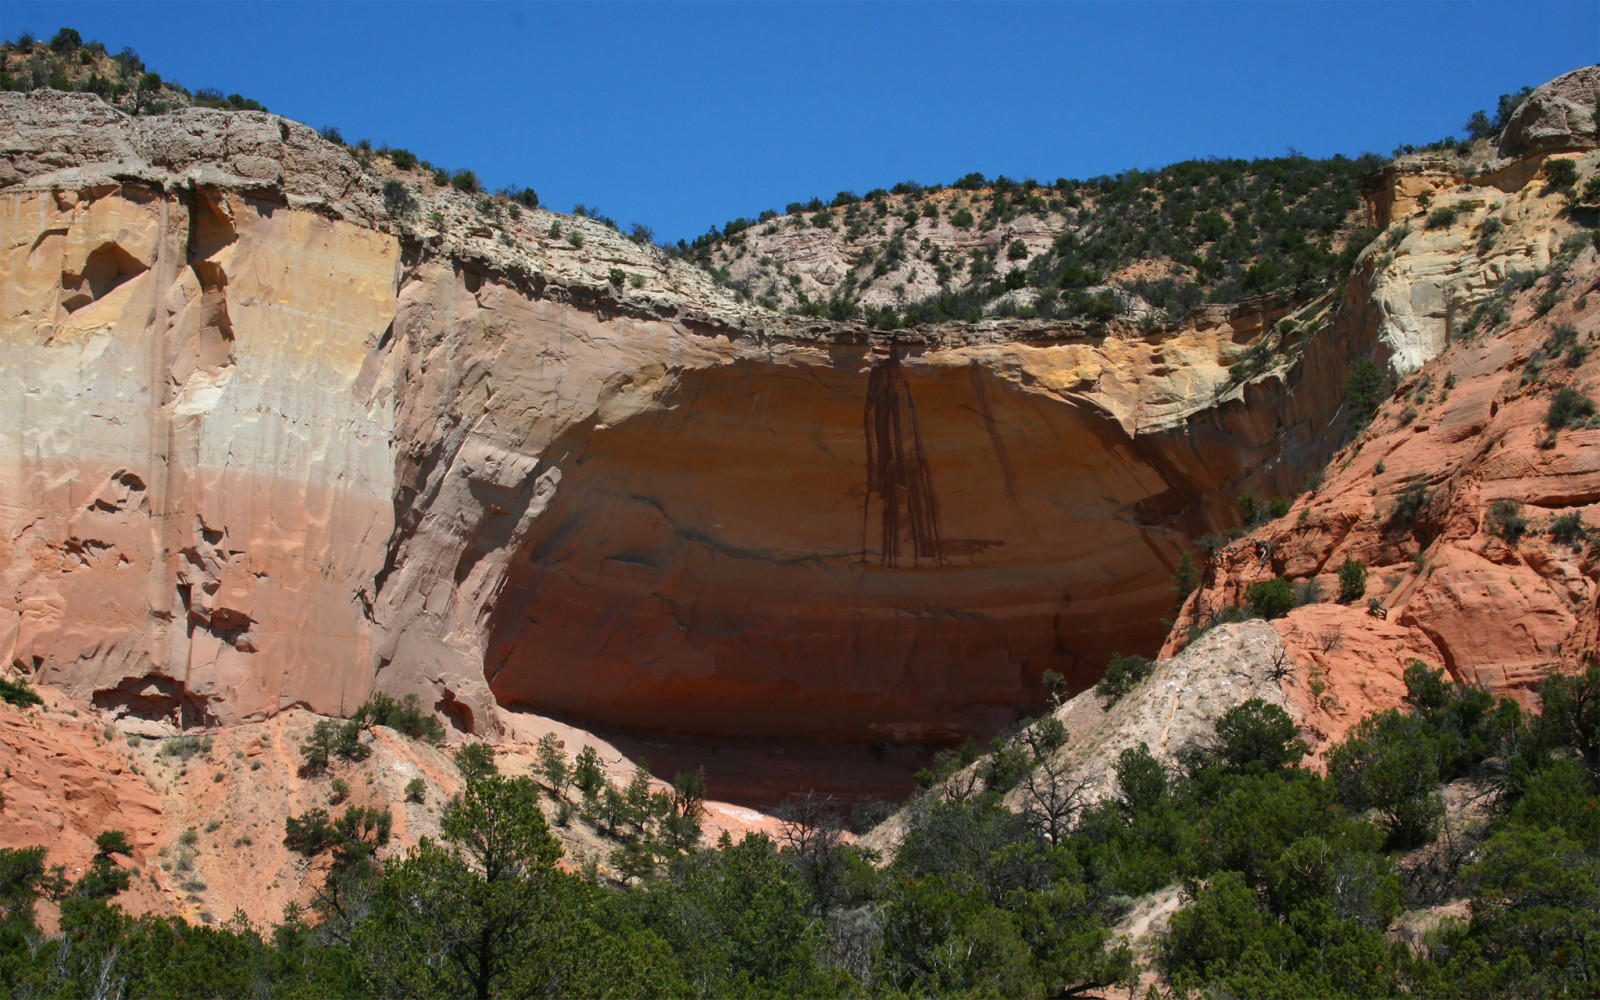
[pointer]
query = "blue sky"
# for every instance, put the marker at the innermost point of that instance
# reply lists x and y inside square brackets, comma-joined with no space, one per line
[682,116]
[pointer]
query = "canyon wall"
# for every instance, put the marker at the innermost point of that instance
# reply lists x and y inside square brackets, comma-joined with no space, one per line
[268,447]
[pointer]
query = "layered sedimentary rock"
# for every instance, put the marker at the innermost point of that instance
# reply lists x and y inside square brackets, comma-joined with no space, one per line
[192,494]
[267,446]
[1496,602]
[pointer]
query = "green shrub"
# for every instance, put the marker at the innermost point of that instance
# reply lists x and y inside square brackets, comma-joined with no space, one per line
[403,159]
[396,197]
[1185,578]
[1505,521]
[1123,673]
[66,40]
[416,790]
[18,693]
[1568,528]
[405,716]
[185,747]
[618,276]
[1352,580]
[1568,408]
[1018,250]
[1389,763]
[1442,218]
[1410,502]
[112,842]
[1256,736]
[1279,506]
[1561,173]
[476,761]
[1364,388]
[962,219]
[1270,598]
[464,180]
[1251,511]
[576,239]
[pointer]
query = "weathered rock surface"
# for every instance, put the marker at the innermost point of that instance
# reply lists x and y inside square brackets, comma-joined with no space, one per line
[1558,115]
[1467,430]
[269,450]
[269,447]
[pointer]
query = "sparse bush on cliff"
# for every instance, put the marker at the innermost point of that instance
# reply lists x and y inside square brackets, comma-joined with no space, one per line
[404,716]
[403,159]
[1123,673]
[397,199]
[1568,408]
[1442,218]
[1185,578]
[1410,502]
[1352,580]
[1364,388]
[1562,174]
[1270,598]
[1505,520]
[18,693]
[185,747]
[1568,528]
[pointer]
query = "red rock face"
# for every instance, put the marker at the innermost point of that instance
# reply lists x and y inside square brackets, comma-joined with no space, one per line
[860,550]
[1492,607]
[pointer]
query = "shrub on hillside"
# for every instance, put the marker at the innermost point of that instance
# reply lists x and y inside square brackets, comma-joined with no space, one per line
[1270,598]
[1505,520]
[404,716]
[1568,408]
[1561,174]
[1352,580]
[18,693]
[1123,674]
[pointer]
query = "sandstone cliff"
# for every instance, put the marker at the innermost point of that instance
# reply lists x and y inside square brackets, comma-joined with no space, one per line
[274,444]
[1470,498]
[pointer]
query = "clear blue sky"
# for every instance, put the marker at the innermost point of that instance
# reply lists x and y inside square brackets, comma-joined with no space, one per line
[683,116]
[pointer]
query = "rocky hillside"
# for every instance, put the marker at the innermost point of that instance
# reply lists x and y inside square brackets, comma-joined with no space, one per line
[1457,527]
[1149,246]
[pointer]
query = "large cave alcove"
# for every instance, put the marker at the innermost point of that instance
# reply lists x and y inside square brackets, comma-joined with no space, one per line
[855,546]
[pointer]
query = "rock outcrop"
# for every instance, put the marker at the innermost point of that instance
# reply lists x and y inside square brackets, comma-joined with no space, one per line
[1469,500]
[272,444]
[1557,117]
